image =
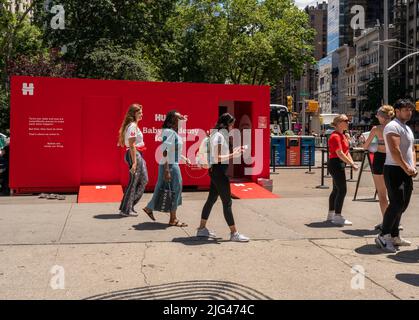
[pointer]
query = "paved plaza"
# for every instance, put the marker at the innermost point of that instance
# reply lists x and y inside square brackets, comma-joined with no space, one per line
[53,249]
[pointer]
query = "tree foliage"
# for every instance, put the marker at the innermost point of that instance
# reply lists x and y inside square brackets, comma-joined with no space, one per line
[114,62]
[236,41]
[18,37]
[214,41]
[109,31]
[43,64]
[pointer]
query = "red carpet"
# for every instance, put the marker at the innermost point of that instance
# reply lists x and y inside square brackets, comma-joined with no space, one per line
[250,190]
[95,194]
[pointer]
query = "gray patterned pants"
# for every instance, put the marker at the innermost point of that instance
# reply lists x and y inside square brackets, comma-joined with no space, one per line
[136,185]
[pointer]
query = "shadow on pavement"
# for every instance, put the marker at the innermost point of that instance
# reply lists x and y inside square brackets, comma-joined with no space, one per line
[411,256]
[369,249]
[108,216]
[323,224]
[151,226]
[361,232]
[187,290]
[409,278]
[195,241]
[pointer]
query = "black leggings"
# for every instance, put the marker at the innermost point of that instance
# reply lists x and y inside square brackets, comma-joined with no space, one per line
[399,188]
[337,170]
[220,186]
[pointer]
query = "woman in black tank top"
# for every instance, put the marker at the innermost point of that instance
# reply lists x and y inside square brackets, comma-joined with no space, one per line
[375,143]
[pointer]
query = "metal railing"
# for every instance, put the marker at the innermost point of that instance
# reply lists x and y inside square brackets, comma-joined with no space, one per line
[320,142]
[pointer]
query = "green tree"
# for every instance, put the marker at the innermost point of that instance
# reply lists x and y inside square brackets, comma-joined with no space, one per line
[4,112]
[236,41]
[113,62]
[99,30]
[17,37]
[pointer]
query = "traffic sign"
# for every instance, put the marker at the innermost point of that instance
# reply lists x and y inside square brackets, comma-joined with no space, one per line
[313,106]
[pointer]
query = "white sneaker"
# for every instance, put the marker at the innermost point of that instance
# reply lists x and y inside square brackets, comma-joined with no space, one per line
[386,243]
[237,237]
[330,216]
[400,242]
[128,215]
[341,221]
[205,233]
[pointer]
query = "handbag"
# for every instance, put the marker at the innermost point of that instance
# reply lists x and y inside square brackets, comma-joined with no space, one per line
[165,199]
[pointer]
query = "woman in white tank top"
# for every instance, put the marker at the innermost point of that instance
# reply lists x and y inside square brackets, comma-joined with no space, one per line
[131,138]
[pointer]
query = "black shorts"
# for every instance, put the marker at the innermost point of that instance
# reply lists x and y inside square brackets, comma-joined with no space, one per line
[378,164]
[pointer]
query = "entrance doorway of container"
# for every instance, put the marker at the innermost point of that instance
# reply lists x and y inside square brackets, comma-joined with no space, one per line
[242,111]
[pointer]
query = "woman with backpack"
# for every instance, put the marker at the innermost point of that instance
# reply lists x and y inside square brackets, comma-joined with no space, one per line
[219,155]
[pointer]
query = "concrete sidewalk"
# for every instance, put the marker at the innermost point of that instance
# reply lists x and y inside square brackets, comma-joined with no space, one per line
[293,254]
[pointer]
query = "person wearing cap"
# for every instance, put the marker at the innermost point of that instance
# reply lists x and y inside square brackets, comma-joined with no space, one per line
[399,170]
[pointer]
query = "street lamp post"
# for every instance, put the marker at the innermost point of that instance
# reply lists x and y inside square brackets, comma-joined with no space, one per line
[385,42]
[385,71]
[404,58]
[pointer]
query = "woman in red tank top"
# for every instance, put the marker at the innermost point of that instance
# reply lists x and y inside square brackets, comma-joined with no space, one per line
[339,156]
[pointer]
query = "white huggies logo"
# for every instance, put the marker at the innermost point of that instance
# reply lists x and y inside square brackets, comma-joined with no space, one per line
[159,117]
[27,89]
[358,280]
[58,280]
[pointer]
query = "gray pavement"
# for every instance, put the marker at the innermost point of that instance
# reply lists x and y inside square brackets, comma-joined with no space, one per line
[293,254]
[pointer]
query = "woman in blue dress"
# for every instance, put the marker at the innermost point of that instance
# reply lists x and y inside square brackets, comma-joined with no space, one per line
[169,170]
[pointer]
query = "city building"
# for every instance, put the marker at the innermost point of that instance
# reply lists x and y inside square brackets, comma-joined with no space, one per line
[369,62]
[18,6]
[307,85]
[327,89]
[346,80]
[343,28]
[405,22]
[351,90]
[412,34]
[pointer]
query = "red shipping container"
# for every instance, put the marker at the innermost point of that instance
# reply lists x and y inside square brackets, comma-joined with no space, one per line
[64,131]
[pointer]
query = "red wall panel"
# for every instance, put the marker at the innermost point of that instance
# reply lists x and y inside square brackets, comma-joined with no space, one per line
[65,134]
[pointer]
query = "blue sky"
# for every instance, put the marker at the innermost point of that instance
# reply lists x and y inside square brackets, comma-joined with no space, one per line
[303,3]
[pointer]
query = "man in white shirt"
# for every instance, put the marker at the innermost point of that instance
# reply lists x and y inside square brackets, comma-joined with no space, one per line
[399,169]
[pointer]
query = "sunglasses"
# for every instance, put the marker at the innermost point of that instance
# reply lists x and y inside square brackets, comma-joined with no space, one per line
[347,121]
